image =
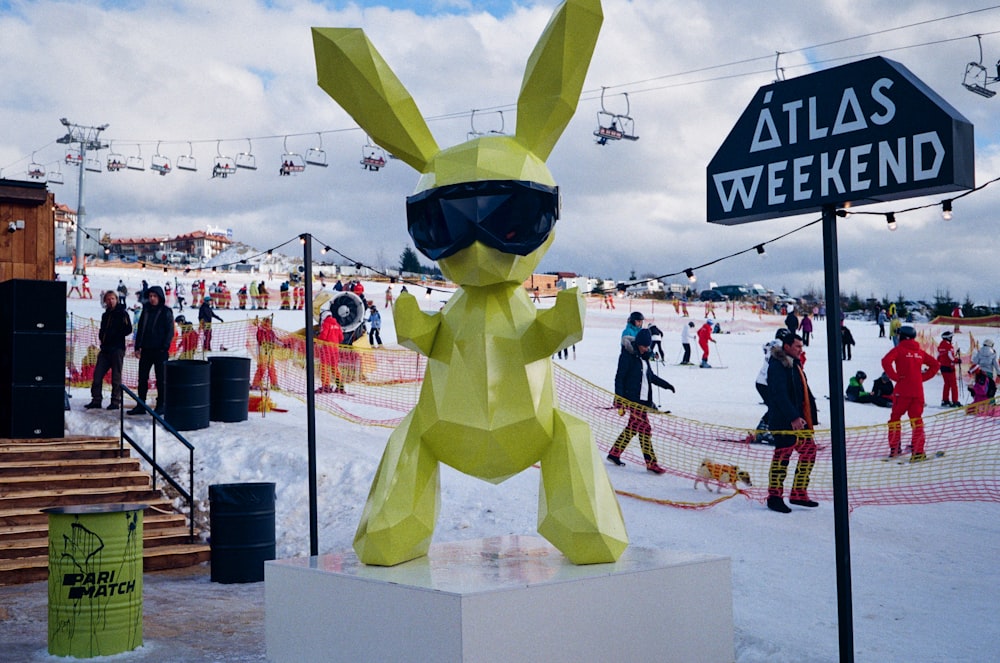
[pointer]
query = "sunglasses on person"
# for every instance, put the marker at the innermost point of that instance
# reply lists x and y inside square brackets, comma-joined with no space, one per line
[513,216]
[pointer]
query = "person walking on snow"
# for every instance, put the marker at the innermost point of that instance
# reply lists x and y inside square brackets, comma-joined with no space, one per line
[792,414]
[951,363]
[805,329]
[904,365]
[374,325]
[633,371]
[704,338]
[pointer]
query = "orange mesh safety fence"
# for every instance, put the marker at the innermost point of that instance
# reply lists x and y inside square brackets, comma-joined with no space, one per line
[382,385]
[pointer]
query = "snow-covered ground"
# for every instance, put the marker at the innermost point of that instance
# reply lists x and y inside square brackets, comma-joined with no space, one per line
[923,576]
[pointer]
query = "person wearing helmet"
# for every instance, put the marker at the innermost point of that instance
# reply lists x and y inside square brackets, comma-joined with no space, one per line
[905,365]
[951,362]
[205,316]
[984,360]
[704,337]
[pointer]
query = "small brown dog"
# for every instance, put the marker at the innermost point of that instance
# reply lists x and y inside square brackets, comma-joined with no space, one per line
[721,474]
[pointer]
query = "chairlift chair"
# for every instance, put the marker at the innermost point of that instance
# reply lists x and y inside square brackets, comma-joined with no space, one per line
[136,162]
[976,78]
[187,161]
[247,160]
[316,156]
[223,166]
[475,133]
[614,126]
[115,161]
[73,156]
[292,163]
[36,171]
[54,175]
[93,164]
[372,157]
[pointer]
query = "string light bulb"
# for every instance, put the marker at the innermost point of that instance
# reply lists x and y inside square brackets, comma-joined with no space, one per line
[690,274]
[890,219]
[760,251]
[946,210]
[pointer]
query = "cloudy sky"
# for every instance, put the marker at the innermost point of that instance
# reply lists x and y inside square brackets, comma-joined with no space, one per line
[203,79]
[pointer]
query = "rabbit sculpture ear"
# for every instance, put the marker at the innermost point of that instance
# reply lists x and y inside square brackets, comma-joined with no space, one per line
[555,74]
[351,71]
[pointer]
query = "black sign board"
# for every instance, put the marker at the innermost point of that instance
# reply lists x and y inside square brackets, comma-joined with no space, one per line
[865,132]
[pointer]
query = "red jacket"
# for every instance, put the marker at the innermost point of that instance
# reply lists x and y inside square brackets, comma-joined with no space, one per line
[947,356]
[331,331]
[904,366]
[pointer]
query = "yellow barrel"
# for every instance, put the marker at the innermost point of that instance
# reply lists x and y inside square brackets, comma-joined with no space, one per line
[95,579]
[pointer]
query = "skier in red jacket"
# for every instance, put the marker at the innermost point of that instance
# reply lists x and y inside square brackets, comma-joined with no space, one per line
[904,365]
[951,363]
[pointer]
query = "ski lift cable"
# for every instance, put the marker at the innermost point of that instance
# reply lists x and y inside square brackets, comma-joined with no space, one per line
[592,94]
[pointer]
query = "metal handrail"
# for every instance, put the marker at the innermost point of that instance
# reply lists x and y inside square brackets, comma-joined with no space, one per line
[188,495]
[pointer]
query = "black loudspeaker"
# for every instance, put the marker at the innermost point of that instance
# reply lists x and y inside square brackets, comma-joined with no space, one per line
[32,358]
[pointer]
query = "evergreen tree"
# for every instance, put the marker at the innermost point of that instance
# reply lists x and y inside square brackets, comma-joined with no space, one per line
[409,262]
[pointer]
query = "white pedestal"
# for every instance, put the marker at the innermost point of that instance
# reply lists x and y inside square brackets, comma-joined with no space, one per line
[500,599]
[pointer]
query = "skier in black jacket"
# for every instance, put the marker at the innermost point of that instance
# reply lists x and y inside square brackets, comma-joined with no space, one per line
[633,366]
[152,345]
[116,327]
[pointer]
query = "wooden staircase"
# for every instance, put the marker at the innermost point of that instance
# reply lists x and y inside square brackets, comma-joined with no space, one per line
[36,474]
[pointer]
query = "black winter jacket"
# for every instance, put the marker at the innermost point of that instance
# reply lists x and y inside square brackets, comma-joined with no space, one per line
[786,399]
[628,378]
[156,324]
[116,325]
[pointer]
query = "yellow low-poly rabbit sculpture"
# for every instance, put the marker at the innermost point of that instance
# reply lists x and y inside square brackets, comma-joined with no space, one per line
[485,210]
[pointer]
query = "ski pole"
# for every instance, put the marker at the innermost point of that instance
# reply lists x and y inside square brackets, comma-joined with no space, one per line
[721,361]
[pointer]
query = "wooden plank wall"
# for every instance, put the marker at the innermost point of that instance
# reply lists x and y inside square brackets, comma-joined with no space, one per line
[28,253]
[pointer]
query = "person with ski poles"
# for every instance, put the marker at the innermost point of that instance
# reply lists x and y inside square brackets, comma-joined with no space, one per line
[704,338]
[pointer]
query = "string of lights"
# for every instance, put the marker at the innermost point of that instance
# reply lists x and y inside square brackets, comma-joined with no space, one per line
[946,205]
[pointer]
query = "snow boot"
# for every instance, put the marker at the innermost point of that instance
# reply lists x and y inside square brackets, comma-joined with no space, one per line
[654,468]
[775,503]
[616,459]
[704,364]
[93,405]
[803,502]
[138,409]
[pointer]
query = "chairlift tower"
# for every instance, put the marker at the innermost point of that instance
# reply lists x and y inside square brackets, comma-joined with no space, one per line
[89,138]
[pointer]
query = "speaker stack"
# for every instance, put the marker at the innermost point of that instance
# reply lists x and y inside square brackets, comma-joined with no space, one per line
[32,358]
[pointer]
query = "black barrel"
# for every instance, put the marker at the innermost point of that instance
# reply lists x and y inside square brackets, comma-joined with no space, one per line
[186,391]
[242,530]
[230,400]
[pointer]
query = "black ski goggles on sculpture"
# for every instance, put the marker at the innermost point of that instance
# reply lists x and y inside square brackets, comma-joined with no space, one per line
[513,216]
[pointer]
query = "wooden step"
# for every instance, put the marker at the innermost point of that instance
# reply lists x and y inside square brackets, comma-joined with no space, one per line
[76,465]
[30,515]
[12,486]
[42,499]
[151,520]
[36,568]
[29,452]
[39,545]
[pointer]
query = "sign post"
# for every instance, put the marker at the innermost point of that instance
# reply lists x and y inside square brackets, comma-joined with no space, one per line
[862,133]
